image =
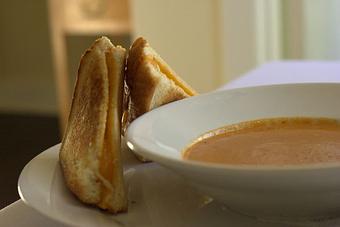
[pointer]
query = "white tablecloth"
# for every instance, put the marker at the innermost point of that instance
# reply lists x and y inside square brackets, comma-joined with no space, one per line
[18,214]
[289,72]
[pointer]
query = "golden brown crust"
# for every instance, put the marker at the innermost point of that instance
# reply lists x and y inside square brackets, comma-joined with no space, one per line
[141,87]
[86,135]
[151,82]
[143,81]
[89,105]
[90,151]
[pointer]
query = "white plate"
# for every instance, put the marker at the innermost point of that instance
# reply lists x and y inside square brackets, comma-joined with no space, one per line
[157,197]
[283,192]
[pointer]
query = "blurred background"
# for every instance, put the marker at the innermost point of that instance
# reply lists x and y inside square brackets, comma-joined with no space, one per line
[208,43]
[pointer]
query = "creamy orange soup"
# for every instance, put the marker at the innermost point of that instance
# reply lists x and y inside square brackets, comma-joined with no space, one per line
[277,141]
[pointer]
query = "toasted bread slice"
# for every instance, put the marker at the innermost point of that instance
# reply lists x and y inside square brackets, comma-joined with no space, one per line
[90,153]
[151,81]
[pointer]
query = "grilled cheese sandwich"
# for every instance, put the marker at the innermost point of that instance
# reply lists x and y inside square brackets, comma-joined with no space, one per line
[108,84]
[90,153]
[151,80]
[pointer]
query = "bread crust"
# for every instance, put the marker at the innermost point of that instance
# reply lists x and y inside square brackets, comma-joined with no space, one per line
[86,135]
[146,80]
[90,153]
[151,83]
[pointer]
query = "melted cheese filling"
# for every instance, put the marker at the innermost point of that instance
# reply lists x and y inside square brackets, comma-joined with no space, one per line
[157,61]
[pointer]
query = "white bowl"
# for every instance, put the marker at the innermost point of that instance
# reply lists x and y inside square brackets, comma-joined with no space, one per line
[297,191]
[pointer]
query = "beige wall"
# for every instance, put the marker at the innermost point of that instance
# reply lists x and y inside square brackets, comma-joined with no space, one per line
[321,28]
[184,34]
[238,38]
[25,65]
[207,42]
[210,43]
[26,69]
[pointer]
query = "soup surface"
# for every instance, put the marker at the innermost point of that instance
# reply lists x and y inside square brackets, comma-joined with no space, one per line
[277,141]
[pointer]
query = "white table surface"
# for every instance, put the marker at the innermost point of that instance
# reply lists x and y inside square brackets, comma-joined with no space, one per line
[289,72]
[18,214]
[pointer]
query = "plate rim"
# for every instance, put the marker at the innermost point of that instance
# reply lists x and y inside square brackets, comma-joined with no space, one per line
[22,195]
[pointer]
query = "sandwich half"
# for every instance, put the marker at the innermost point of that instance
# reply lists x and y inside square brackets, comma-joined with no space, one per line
[151,81]
[90,153]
